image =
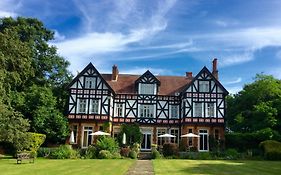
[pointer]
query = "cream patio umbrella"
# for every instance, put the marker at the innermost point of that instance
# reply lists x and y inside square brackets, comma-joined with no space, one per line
[100,133]
[71,140]
[190,135]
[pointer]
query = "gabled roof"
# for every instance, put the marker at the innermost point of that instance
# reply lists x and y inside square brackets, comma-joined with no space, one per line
[126,84]
[148,74]
[205,69]
[89,66]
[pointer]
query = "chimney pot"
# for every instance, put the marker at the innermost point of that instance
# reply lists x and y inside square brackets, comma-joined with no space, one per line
[189,74]
[115,73]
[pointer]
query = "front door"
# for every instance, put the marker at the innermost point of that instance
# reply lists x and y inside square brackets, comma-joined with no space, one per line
[146,141]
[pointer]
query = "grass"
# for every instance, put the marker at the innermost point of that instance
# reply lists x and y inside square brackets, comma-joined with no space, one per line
[216,167]
[67,166]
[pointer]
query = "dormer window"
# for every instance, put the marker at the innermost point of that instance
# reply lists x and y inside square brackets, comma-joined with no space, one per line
[90,82]
[149,89]
[203,86]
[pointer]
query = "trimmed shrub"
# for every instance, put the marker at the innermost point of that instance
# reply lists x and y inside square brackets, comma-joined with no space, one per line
[125,151]
[104,154]
[45,152]
[204,156]
[90,152]
[155,154]
[64,152]
[107,143]
[170,149]
[116,155]
[133,154]
[271,149]
[231,154]
[136,147]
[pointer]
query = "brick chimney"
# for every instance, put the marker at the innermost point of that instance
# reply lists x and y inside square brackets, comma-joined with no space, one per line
[115,73]
[215,71]
[189,75]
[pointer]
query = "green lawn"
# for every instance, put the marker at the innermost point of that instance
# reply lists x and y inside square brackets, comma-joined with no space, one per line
[216,167]
[61,167]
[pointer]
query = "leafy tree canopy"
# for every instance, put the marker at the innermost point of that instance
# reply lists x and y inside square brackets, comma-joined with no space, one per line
[257,108]
[32,79]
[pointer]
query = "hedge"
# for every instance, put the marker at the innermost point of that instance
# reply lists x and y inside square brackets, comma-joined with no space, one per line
[271,149]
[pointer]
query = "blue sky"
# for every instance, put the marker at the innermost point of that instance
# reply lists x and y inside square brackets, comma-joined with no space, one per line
[168,37]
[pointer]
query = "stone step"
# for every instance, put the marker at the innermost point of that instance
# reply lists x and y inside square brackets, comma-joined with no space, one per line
[144,156]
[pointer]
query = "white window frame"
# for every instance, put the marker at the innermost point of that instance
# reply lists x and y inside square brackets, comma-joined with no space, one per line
[147,110]
[89,131]
[210,111]
[204,86]
[174,139]
[174,111]
[201,133]
[119,108]
[195,110]
[90,82]
[91,106]
[147,88]
[79,105]
[161,131]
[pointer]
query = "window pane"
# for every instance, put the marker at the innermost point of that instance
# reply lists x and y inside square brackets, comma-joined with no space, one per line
[203,86]
[147,111]
[147,88]
[90,82]
[198,110]
[82,105]
[95,107]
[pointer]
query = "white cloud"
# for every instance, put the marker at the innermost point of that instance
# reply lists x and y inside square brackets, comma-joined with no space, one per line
[58,36]
[233,59]
[233,89]
[94,43]
[221,23]
[8,8]
[7,14]
[238,80]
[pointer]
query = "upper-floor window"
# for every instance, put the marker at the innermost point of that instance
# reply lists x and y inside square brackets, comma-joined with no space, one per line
[210,109]
[174,112]
[82,105]
[90,82]
[198,109]
[94,106]
[146,111]
[203,86]
[119,110]
[147,88]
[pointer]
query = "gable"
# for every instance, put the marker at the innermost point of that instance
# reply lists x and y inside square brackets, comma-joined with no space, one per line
[205,76]
[149,78]
[89,72]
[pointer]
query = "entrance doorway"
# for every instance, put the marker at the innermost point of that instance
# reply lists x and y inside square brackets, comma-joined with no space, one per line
[146,141]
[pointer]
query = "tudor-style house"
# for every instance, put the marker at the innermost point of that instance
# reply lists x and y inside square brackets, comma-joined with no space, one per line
[159,104]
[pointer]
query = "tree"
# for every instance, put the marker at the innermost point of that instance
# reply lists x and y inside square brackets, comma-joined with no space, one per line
[133,134]
[13,127]
[257,107]
[33,77]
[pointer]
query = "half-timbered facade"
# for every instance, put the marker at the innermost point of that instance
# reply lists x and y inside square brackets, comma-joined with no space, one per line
[159,104]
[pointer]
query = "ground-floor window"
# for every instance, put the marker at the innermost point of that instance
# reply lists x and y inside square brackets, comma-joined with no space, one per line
[217,134]
[87,138]
[161,140]
[203,141]
[190,138]
[116,131]
[174,132]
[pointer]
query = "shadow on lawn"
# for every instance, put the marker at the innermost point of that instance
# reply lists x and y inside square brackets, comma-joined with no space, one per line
[216,168]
